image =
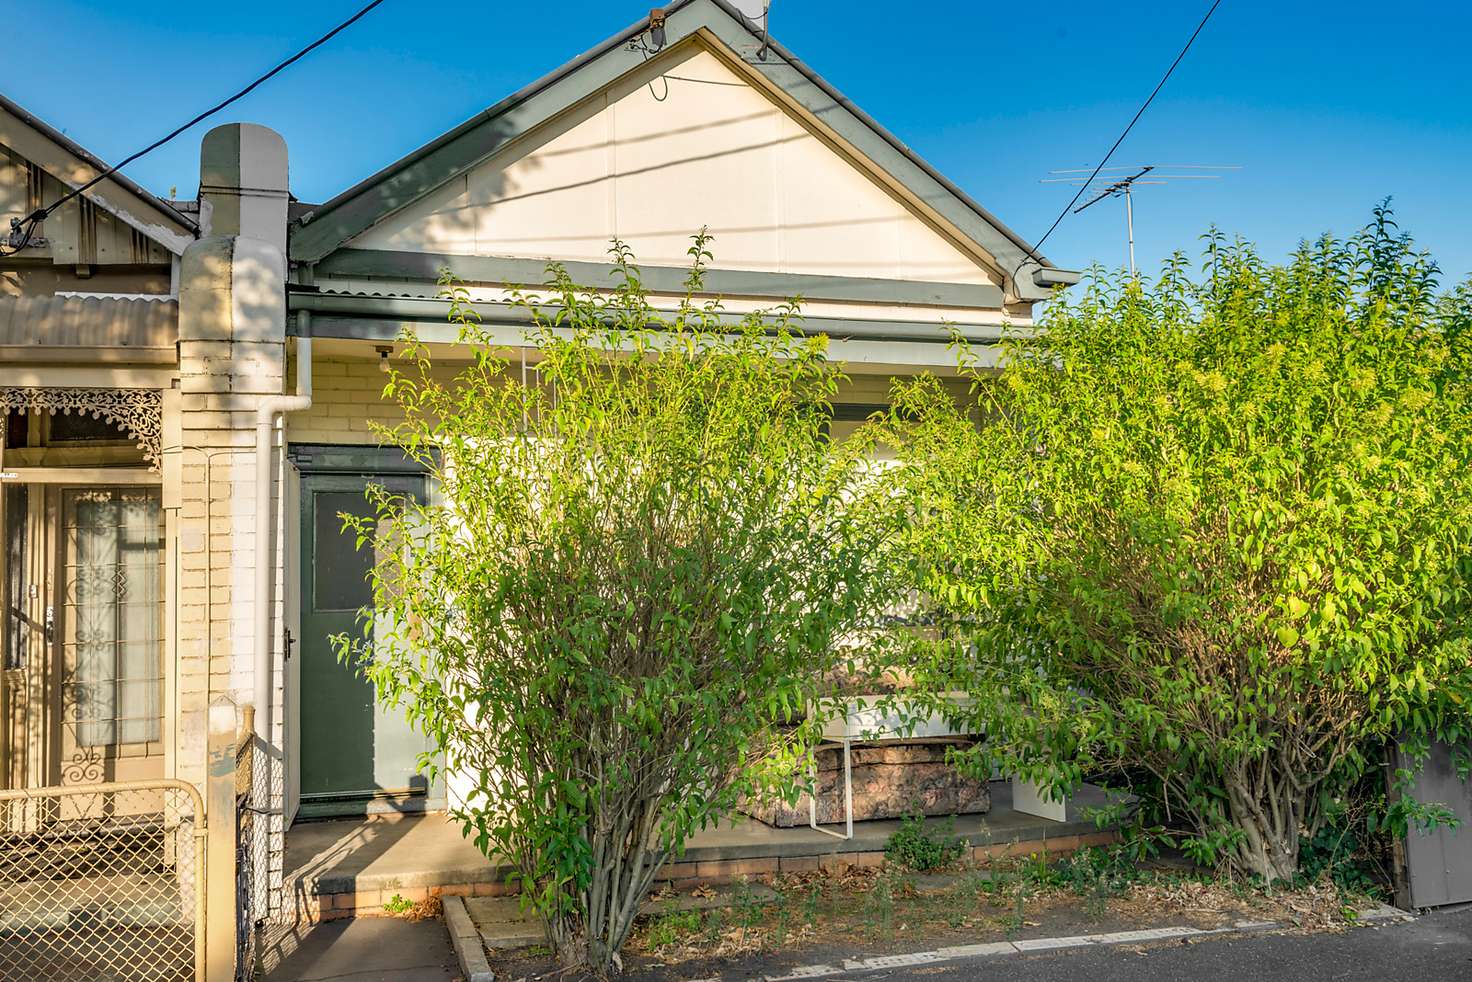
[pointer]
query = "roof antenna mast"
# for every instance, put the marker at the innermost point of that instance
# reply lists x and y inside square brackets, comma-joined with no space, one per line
[1121,184]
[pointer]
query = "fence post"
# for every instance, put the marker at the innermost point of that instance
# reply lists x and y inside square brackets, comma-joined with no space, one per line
[219,926]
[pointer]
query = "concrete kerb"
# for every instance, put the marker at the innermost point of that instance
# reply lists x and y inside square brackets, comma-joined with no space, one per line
[469,950]
[1025,946]
[1380,915]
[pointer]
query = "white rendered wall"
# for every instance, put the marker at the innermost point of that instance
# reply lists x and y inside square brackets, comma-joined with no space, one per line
[651,163]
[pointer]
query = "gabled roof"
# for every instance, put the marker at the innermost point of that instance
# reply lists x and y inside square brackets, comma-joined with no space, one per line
[329,226]
[73,165]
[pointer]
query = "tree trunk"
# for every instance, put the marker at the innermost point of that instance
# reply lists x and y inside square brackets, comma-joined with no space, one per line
[587,939]
[1269,826]
[579,950]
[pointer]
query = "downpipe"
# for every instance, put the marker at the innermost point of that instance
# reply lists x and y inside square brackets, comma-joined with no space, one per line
[270,408]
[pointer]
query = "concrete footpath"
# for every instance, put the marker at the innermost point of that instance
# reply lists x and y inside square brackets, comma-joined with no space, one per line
[371,949]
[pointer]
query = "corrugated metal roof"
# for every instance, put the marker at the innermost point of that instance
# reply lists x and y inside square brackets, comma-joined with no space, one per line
[83,323]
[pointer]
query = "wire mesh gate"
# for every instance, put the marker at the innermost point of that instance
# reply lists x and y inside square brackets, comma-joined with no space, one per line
[102,881]
[252,829]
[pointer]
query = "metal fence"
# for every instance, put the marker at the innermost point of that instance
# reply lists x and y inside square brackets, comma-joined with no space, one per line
[102,882]
[252,842]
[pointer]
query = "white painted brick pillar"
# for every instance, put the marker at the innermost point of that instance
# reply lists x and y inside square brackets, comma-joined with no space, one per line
[232,353]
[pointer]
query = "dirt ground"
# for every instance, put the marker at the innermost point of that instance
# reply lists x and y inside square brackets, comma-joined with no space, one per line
[860,912]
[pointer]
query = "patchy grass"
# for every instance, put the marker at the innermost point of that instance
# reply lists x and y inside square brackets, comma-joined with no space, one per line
[669,929]
[894,907]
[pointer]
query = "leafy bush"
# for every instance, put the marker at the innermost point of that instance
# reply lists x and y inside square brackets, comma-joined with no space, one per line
[640,560]
[1216,530]
[916,847]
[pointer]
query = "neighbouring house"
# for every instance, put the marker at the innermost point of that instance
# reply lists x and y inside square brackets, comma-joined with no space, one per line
[89,320]
[175,538]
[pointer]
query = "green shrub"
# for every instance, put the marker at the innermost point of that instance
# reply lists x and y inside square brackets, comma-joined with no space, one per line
[615,614]
[1216,529]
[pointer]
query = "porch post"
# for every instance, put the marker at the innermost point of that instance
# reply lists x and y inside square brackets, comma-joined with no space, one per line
[4,620]
[219,925]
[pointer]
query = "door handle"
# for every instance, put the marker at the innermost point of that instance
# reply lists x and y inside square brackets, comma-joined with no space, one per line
[286,643]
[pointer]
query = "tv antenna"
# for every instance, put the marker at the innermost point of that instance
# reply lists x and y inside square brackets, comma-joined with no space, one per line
[1119,182]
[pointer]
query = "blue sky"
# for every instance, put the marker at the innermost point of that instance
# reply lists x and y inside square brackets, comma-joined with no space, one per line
[1328,107]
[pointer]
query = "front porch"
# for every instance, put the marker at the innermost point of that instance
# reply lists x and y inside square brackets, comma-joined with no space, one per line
[348,867]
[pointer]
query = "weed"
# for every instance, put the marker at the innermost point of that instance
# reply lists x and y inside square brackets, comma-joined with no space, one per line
[748,907]
[973,885]
[398,906]
[1338,853]
[810,902]
[782,923]
[715,925]
[1096,876]
[1013,921]
[879,906]
[915,847]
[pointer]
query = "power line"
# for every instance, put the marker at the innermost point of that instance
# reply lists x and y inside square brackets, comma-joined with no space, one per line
[1117,184]
[39,215]
[1033,252]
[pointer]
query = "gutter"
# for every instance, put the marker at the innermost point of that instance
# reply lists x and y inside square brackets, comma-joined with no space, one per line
[1050,277]
[270,408]
[379,318]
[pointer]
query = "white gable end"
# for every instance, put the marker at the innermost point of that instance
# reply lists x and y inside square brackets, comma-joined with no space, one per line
[689,143]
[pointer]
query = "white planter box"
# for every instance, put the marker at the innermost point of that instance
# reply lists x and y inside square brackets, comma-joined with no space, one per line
[867,719]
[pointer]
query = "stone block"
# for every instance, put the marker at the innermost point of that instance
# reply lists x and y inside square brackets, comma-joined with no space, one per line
[888,782]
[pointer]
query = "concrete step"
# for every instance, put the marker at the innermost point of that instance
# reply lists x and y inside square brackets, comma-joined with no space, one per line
[503,924]
[135,901]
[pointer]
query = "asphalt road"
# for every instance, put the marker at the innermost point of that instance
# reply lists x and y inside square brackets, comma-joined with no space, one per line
[1428,949]
[1432,948]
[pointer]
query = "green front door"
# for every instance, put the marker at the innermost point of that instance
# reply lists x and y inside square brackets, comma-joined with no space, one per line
[356,755]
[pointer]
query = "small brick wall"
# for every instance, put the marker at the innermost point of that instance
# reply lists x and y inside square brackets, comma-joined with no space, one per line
[369,900]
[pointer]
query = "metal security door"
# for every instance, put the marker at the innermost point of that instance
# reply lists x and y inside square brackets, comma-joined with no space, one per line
[83,640]
[356,756]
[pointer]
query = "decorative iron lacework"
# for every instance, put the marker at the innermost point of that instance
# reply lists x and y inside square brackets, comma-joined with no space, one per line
[137,412]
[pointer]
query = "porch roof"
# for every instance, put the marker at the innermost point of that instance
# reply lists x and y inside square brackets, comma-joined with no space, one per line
[129,330]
